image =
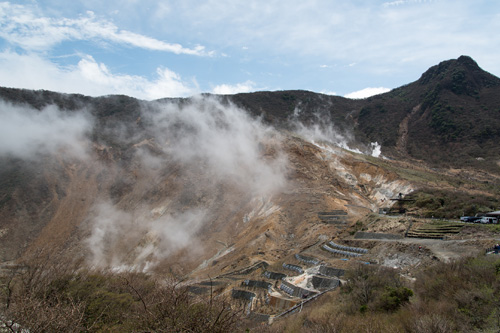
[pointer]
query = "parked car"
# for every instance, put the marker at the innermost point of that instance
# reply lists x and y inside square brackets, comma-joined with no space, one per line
[470,218]
[489,219]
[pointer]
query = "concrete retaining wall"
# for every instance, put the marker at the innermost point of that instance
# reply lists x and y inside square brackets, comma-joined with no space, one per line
[330,271]
[333,217]
[307,260]
[375,235]
[281,303]
[198,290]
[322,283]
[242,294]
[333,212]
[273,275]
[295,268]
[256,284]
[295,291]
[340,252]
[347,248]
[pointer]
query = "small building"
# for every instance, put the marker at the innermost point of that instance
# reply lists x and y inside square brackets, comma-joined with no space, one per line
[493,214]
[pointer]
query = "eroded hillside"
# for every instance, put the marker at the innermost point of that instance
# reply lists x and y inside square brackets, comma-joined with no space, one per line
[177,185]
[231,196]
[239,188]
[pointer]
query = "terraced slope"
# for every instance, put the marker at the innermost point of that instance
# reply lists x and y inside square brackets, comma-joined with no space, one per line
[435,230]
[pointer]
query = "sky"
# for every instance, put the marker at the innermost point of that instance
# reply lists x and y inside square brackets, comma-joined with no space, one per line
[179,48]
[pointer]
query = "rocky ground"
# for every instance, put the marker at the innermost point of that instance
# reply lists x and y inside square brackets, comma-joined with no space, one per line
[330,195]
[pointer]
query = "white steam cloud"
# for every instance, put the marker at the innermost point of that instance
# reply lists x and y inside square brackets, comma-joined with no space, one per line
[323,130]
[26,132]
[228,142]
[376,149]
[325,133]
[209,144]
[137,240]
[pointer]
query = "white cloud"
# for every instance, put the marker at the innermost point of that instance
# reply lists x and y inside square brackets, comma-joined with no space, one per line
[227,89]
[367,92]
[379,37]
[394,3]
[162,10]
[88,77]
[169,84]
[403,2]
[326,92]
[375,37]
[22,26]
[100,80]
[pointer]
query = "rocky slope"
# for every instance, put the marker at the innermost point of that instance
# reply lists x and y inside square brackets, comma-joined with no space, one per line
[205,186]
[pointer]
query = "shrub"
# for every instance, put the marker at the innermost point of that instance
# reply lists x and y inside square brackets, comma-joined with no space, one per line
[373,288]
[393,298]
[43,299]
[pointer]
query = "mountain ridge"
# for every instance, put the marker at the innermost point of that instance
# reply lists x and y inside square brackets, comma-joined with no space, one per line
[229,193]
[451,110]
[421,122]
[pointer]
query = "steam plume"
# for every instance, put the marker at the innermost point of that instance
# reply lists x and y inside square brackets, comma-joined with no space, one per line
[209,144]
[27,133]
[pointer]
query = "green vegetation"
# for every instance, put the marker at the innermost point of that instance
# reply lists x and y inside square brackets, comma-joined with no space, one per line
[450,204]
[459,296]
[358,226]
[443,121]
[374,289]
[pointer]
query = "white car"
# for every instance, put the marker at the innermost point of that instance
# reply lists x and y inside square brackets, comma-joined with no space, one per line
[489,219]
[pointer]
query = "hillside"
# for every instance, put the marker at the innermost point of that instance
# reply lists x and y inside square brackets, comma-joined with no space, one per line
[448,117]
[217,190]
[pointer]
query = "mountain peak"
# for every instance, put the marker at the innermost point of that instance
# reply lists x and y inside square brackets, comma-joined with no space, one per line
[468,62]
[462,76]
